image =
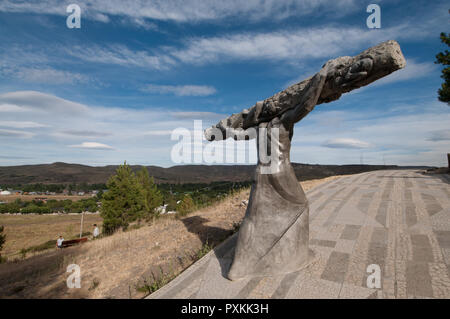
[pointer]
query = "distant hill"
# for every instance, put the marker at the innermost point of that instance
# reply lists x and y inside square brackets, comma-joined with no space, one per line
[63,173]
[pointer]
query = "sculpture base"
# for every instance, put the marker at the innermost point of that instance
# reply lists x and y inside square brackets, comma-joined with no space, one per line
[260,253]
[278,272]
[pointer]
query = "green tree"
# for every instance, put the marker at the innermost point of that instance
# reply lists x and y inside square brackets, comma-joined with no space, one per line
[152,195]
[444,59]
[99,195]
[186,205]
[124,201]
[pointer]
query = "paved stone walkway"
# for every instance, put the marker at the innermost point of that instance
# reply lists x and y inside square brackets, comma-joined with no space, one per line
[397,219]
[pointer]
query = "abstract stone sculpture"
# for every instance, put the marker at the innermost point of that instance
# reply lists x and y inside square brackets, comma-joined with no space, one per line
[274,236]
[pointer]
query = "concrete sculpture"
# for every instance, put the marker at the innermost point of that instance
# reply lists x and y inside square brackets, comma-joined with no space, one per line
[274,235]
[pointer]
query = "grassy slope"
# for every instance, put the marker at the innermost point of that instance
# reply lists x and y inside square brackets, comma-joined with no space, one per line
[113,267]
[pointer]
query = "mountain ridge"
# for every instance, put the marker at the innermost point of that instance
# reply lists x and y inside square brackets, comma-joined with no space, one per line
[70,173]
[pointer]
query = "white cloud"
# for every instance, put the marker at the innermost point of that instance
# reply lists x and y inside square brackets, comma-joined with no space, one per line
[443,135]
[412,70]
[38,101]
[22,124]
[11,108]
[119,55]
[46,75]
[159,133]
[92,146]
[186,10]
[142,136]
[345,143]
[293,45]
[15,134]
[83,133]
[198,115]
[402,139]
[181,90]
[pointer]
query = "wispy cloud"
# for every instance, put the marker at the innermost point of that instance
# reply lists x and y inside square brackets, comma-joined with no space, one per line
[92,146]
[402,139]
[197,115]
[288,45]
[442,135]
[46,75]
[120,55]
[38,101]
[11,108]
[158,133]
[412,70]
[185,10]
[181,90]
[87,133]
[22,124]
[345,143]
[16,134]
[143,136]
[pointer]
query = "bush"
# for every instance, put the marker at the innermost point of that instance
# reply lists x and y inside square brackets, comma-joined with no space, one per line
[33,209]
[185,206]
[12,208]
[89,205]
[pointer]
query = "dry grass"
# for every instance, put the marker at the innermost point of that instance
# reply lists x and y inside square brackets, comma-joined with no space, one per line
[24,231]
[114,266]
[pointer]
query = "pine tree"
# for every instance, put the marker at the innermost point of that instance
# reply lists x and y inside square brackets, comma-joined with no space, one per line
[186,205]
[124,201]
[152,195]
[444,59]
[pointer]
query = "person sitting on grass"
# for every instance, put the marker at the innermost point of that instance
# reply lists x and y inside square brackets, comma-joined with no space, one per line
[59,241]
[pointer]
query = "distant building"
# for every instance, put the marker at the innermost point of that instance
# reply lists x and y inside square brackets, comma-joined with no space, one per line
[4,193]
[80,193]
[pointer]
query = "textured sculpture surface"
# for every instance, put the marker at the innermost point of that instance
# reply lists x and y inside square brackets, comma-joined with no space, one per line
[274,235]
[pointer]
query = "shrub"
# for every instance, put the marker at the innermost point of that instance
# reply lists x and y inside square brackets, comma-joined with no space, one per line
[33,209]
[185,206]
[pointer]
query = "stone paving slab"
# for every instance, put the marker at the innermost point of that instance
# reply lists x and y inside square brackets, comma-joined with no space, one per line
[396,219]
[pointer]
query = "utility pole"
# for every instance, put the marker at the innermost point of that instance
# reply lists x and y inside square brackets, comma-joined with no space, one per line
[81,226]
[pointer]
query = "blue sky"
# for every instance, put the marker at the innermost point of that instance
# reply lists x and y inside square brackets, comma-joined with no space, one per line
[116,88]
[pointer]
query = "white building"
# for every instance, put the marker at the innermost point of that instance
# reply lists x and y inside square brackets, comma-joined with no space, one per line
[5,193]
